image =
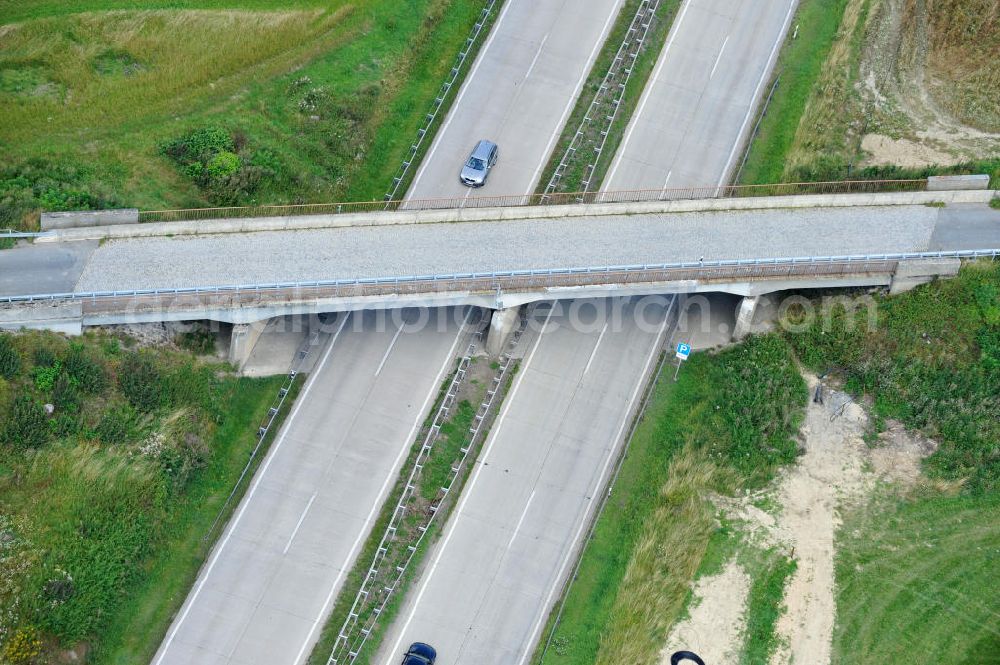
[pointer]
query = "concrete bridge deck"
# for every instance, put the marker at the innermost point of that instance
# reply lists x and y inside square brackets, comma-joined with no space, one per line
[390,264]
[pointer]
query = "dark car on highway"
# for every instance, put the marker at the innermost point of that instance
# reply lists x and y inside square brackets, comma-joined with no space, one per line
[420,654]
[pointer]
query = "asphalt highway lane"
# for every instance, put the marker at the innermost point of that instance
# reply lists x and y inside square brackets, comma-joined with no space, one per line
[267,588]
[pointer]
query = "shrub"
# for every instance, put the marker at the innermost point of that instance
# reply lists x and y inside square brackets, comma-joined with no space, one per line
[989,346]
[199,146]
[197,340]
[26,425]
[10,359]
[39,184]
[65,396]
[223,165]
[46,375]
[139,379]
[86,372]
[23,646]
[117,425]
[44,356]
[65,425]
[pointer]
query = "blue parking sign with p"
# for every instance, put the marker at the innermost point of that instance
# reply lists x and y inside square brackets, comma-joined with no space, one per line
[683,351]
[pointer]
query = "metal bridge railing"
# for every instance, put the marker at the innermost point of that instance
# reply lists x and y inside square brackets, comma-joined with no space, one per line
[489,282]
[552,198]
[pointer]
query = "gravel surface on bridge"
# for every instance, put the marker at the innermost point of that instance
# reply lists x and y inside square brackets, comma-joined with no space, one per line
[387,251]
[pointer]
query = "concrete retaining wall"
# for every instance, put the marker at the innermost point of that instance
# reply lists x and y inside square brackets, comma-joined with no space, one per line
[940,183]
[404,217]
[88,218]
[64,317]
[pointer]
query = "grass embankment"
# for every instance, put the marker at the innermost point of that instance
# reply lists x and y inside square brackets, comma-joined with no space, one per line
[644,64]
[916,573]
[726,425]
[322,107]
[436,471]
[801,64]
[104,503]
[821,109]
[917,582]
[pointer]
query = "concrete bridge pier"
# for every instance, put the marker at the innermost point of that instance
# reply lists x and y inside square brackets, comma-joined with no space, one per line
[244,339]
[756,314]
[503,322]
[744,317]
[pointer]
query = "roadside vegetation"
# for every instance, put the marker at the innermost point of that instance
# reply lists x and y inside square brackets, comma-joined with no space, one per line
[932,362]
[916,569]
[641,71]
[883,89]
[114,462]
[323,107]
[695,526]
[916,581]
[726,426]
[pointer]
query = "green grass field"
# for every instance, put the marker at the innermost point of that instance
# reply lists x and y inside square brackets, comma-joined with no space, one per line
[727,424]
[106,504]
[917,582]
[800,66]
[321,100]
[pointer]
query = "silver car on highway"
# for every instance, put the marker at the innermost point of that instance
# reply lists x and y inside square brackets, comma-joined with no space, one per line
[478,166]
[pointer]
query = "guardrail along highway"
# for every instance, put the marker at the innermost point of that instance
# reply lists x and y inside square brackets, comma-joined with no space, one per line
[495,572]
[270,581]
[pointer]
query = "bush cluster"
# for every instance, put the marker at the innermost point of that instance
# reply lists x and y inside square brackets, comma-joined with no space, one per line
[221,163]
[932,362]
[831,168]
[37,184]
[129,433]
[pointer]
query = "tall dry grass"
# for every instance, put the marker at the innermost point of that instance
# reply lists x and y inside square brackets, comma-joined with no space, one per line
[665,559]
[825,125]
[963,59]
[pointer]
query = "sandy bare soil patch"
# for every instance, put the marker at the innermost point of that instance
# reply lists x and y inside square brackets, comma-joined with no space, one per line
[715,618]
[903,94]
[836,470]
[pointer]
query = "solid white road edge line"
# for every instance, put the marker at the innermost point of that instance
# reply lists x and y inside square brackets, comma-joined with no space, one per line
[646,93]
[756,92]
[461,93]
[658,343]
[390,658]
[249,496]
[386,485]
